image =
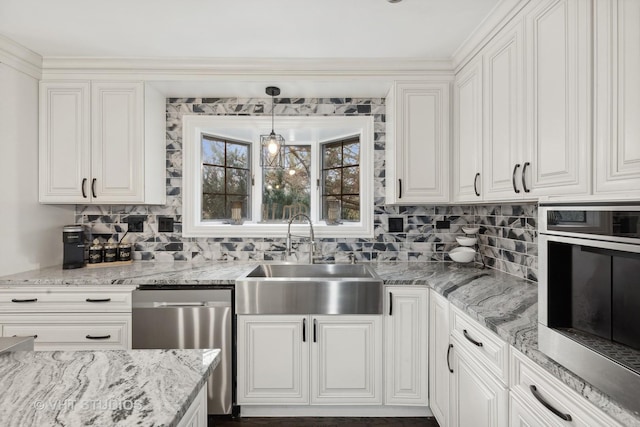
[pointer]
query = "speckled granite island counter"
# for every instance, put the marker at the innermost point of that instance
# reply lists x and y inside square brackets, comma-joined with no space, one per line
[503,303]
[105,388]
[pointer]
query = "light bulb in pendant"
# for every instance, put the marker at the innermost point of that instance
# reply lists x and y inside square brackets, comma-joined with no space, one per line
[272,145]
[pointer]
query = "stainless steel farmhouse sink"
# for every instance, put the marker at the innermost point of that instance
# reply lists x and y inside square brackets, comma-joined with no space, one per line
[309,289]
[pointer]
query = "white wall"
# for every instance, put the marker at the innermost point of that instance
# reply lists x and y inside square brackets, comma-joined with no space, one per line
[30,233]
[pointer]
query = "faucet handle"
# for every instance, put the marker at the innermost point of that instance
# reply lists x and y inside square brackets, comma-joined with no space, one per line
[352,258]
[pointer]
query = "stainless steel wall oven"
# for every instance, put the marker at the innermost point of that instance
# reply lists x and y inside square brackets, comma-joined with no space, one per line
[589,294]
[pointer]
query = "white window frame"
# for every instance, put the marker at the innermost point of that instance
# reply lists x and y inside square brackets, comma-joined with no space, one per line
[193,126]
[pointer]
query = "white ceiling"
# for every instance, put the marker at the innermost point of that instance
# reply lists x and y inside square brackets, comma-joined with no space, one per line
[425,29]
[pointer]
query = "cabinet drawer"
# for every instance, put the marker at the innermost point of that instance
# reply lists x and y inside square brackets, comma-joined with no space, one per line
[69,332]
[528,378]
[64,300]
[487,348]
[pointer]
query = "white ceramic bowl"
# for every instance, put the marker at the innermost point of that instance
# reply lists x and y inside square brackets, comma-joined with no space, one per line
[470,230]
[462,254]
[466,241]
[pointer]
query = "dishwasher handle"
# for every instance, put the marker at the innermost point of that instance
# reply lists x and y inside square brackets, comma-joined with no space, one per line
[179,304]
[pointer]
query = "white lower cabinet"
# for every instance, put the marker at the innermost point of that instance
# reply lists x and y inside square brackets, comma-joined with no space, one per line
[541,399]
[196,414]
[406,346]
[438,357]
[300,360]
[104,331]
[68,318]
[478,398]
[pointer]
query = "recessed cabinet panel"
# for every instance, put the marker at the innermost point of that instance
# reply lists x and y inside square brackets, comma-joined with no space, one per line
[503,115]
[273,360]
[346,360]
[558,98]
[617,98]
[406,347]
[117,142]
[64,153]
[417,145]
[439,375]
[467,143]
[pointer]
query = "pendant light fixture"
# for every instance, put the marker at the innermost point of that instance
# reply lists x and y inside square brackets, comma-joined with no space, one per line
[272,145]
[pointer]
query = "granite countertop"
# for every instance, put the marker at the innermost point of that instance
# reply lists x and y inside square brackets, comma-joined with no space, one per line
[116,387]
[501,302]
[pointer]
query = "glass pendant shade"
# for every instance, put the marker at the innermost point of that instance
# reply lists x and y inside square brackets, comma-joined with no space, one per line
[271,146]
[272,151]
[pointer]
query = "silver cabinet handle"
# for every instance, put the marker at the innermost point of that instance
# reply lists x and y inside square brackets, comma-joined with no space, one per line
[468,337]
[524,181]
[547,405]
[513,178]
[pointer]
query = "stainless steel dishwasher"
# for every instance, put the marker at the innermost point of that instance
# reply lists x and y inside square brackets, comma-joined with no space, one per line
[183,317]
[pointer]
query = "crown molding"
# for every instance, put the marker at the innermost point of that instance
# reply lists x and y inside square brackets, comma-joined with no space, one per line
[177,68]
[501,13]
[20,58]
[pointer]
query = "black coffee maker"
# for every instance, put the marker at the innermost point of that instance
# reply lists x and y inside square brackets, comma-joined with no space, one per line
[73,239]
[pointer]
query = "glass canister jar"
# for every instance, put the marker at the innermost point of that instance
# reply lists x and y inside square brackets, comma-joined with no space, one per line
[124,252]
[110,252]
[95,252]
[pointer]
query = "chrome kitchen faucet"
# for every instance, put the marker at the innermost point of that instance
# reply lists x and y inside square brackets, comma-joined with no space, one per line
[312,242]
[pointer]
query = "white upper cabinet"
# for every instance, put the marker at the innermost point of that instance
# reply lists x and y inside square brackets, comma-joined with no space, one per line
[417,142]
[617,98]
[65,132]
[503,114]
[101,143]
[467,133]
[558,98]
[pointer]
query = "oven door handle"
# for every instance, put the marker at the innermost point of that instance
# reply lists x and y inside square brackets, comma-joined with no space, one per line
[180,304]
[538,396]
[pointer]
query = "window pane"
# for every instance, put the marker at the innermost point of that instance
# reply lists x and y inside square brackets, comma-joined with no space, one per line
[332,155]
[213,207]
[286,192]
[331,181]
[238,155]
[351,153]
[213,151]
[351,180]
[237,181]
[351,208]
[212,179]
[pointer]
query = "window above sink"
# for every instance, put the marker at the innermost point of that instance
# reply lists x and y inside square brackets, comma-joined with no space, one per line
[330,167]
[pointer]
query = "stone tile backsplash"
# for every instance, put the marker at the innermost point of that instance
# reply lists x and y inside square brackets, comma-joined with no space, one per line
[508,234]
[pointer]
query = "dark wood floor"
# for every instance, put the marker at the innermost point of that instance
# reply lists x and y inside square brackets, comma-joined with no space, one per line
[323,422]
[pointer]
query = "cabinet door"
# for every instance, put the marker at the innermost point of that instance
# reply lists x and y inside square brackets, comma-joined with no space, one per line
[117,142]
[65,151]
[418,143]
[503,98]
[346,360]
[438,357]
[477,398]
[558,58]
[467,141]
[406,346]
[273,360]
[617,98]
